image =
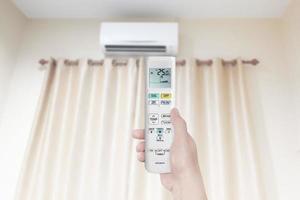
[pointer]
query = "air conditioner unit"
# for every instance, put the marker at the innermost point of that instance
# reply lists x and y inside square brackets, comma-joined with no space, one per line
[139,39]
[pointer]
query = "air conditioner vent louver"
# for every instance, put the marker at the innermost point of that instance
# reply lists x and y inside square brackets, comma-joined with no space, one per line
[135,48]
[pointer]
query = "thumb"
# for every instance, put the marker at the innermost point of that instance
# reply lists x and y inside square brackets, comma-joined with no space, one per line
[178,123]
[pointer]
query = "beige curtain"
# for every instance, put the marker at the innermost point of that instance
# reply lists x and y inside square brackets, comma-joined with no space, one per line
[81,146]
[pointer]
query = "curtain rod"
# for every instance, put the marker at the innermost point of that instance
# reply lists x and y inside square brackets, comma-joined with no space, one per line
[122,62]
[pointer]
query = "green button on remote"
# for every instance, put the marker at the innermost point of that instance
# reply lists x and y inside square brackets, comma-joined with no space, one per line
[154,95]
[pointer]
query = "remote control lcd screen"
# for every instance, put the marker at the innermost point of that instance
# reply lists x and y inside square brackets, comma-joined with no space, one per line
[160,77]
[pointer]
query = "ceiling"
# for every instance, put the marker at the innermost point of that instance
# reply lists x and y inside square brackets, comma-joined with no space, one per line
[151,8]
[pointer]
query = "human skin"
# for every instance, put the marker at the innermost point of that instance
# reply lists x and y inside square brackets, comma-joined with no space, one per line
[185,181]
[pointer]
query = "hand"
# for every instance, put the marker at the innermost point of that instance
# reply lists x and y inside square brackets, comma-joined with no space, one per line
[185,181]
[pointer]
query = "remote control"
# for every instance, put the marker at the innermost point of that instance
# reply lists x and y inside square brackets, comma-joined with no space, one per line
[160,99]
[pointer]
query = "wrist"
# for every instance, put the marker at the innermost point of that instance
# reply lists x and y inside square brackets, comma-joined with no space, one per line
[189,186]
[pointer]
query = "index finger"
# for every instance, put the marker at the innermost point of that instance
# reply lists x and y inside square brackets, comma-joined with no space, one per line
[138,134]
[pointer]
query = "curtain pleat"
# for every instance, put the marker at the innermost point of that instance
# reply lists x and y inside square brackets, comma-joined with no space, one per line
[81,145]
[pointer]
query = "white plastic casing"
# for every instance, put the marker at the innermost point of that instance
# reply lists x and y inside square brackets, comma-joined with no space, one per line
[139,38]
[158,128]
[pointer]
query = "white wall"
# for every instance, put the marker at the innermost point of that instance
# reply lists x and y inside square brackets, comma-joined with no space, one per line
[291,27]
[12,23]
[291,31]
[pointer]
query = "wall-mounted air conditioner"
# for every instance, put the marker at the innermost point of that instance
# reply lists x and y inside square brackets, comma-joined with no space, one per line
[139,38]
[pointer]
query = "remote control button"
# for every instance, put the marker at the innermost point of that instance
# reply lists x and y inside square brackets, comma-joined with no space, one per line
[151,130]
[153,95]
[159,152]
[153,102]
[165,102]
[159,131]
[165,122]
[166,116]
[153,119]
[168,131]
[166,96]
[160,138]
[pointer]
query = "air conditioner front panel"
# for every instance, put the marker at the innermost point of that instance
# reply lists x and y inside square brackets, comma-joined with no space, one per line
[139,38]
[139,32]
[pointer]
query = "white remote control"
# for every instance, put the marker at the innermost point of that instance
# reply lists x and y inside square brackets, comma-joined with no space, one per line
[160,99]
